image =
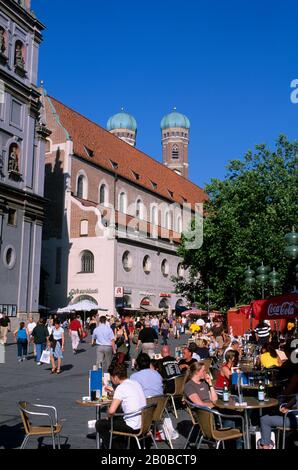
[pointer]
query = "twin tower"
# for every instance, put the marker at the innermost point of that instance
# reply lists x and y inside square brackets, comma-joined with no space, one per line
[175,137]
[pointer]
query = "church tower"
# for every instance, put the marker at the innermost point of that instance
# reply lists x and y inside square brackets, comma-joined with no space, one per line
[124,126]
[175,139]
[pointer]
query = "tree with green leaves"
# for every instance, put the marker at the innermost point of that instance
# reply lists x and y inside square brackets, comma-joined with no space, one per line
[246,219]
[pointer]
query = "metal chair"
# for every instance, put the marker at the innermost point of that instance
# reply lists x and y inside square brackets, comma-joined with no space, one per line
[52,429]
[284,429]
[158,417]
[210,431]
[179,382]
[147,414]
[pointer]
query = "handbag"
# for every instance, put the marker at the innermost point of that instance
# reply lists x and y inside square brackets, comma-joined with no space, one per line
[46,357]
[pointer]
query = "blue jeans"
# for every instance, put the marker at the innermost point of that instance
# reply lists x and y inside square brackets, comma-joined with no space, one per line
[270,422]
[39,349]
[22,347]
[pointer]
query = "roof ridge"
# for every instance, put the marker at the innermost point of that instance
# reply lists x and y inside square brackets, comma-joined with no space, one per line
[132,148]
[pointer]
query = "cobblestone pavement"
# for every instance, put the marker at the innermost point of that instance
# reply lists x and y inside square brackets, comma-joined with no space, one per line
[27,381]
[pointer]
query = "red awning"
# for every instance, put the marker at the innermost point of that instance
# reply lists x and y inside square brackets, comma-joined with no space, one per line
[283,306]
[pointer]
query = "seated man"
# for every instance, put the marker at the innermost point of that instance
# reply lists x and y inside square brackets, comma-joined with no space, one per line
[149,379]
[187,360]
[270,422]
[168,368]
[130,396]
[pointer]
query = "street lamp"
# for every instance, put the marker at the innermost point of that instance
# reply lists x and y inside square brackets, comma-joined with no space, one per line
[274,279]
[262,277]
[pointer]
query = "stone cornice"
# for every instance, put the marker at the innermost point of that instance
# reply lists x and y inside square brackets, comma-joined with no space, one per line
[21,15]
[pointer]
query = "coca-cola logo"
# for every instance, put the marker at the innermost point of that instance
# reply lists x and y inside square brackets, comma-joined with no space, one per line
[286,308]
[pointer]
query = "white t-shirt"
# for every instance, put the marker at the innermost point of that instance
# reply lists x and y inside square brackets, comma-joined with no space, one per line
[57,334]
[132,398]
[31,327]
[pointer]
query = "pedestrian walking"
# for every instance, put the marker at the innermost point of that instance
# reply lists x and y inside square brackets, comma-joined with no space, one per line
[40,337]
[148,338]
[103,338]
[30,327]
[75,333]
[21,337]
[56,341]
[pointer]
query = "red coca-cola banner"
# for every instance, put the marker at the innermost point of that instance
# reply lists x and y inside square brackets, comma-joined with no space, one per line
[283,306]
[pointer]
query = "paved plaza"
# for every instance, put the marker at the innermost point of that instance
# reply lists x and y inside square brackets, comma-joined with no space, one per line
[35,384]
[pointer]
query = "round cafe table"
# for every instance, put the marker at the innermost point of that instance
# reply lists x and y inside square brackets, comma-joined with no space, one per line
[251,404]
[98,405]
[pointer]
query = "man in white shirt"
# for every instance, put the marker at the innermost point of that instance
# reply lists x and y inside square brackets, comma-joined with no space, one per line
[104,339]
[129,394]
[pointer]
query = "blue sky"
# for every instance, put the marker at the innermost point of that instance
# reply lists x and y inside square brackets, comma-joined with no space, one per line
[226,64]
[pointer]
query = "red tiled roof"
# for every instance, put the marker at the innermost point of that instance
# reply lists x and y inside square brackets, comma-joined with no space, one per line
[107,148]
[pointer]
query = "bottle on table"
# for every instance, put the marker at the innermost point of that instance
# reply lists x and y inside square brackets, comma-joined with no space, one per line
[261,391]
[226,394]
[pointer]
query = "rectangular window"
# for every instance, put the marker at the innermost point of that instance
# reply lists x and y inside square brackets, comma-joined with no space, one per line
[12,217]
[58,265]
[16,114]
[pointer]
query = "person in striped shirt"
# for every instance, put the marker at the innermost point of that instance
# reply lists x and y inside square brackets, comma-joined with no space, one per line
[262,331]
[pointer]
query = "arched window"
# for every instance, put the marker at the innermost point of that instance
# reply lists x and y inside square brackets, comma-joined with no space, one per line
[103,194]
[127,261]
[122,203]
[80,187]
[139,209]
[168,220]
[154,216]
[165,268]
[175,152]
[14,159]
[87,262]
[180,270]
[179,224]
[19,60]
[147,264]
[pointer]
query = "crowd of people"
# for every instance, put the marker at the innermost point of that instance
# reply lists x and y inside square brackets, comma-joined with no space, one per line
[208,359]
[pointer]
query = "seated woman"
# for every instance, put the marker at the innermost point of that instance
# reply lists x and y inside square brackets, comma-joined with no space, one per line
[225,372]
[198,387]
[269,358]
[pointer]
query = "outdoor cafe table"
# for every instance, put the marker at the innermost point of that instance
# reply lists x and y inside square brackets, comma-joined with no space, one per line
[252,404]
[98,405]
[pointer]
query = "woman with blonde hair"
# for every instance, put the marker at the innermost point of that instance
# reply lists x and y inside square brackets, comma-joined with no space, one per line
[198,387]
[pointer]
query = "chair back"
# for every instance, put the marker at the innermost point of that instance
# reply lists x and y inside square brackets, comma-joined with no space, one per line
[161,403]
[179,384]
[206,421]
[147,414]
[23,407]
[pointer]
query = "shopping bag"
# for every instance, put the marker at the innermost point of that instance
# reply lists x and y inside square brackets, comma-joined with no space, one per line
[46,357]
[168,425]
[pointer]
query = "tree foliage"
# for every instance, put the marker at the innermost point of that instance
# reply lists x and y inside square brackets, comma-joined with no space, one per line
[246,219]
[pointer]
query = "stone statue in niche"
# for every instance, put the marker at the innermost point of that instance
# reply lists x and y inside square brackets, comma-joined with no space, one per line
[13,161]
[19,59]
[2,41]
